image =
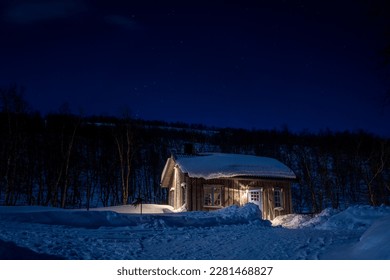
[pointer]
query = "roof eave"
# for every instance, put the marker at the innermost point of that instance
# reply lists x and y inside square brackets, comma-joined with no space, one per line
[272,178]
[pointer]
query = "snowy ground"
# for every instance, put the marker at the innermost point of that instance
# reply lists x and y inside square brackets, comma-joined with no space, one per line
[360,232]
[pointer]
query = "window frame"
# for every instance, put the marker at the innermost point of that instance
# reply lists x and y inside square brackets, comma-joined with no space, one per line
[211,195]
[278,198]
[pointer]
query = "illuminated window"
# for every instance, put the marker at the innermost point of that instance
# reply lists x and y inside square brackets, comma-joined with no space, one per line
[212,195]
[278,199]
[254,196]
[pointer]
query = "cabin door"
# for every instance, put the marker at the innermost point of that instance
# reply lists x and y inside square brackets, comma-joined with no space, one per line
[255,196]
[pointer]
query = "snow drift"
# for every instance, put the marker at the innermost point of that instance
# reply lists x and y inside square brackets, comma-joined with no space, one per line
[103,218]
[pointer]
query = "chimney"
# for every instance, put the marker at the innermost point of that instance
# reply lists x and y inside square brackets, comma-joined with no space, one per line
[189,149]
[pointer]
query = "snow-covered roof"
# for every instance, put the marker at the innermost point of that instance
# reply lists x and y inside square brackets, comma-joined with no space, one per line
[218,165]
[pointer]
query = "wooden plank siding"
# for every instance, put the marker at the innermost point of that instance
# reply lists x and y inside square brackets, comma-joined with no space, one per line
[234,192]
[222,192]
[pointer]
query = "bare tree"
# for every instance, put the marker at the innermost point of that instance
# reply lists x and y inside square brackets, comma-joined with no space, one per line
[373,168]
[124,137]
[14,108]
[67,151]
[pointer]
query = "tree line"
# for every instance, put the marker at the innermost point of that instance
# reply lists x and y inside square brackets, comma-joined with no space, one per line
[72,161]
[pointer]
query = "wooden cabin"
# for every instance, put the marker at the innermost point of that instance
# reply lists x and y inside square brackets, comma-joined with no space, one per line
[209,181]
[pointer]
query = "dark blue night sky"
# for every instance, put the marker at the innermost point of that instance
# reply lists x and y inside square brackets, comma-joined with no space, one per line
[252,64]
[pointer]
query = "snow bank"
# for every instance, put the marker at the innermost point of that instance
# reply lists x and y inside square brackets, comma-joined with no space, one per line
[295,221]
[374,243]
[232,215]
[123,217]
[358,217]
[371,224]
[249,211]
[131,209]
[226,216]
[73,218]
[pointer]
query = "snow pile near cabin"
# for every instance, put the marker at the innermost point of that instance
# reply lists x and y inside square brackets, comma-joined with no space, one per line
[101,217]
[234,214]
[215,165]
[132,209]
[295,221]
